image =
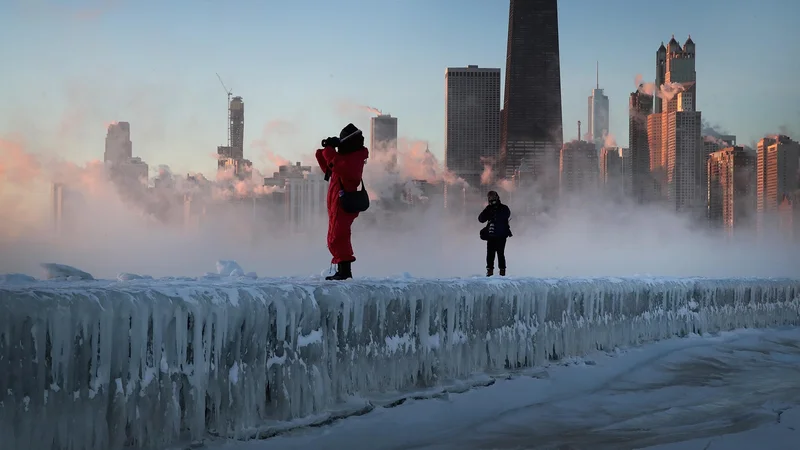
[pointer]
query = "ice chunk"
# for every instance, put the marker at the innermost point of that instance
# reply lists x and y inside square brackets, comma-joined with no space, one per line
[143,365]
[229,268]
[16,278]
[55,271]
[124,276]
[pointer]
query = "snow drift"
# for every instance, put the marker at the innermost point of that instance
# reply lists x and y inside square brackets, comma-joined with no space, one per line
[106,365]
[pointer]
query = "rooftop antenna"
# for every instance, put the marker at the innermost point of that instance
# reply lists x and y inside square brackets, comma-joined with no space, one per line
[579,131]
[597,73]
[229,92]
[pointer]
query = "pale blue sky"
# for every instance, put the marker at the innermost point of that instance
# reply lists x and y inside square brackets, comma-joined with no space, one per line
[71,66]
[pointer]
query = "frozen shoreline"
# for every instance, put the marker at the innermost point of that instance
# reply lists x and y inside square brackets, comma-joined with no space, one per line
[245,358]
[678,394]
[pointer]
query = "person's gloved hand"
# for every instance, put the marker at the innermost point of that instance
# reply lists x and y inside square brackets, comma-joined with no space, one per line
[331,142]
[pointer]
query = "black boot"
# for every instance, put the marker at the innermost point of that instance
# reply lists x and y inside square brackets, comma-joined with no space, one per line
[503,272]
[489,271]
[343,272]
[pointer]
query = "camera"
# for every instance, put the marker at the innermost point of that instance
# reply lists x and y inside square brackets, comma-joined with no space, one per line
[330,142]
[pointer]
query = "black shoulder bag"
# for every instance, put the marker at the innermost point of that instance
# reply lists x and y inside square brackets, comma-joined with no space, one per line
[356,201]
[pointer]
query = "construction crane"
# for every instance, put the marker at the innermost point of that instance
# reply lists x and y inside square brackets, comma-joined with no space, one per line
[229,92]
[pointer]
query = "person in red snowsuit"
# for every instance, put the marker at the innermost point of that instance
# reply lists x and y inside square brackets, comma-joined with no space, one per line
[343,169]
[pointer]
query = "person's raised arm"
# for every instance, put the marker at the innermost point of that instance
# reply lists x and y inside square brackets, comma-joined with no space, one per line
[484,215]
[322,161]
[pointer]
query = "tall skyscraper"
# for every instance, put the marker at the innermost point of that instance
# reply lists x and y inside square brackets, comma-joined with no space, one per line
[684,156]
[236,110]
[383,137]
[731,188]
[119,147]
[639,107]
[598,116]
[532,129]
[676,150]
[578,168]
[472,116]
[776,177]
[231,157]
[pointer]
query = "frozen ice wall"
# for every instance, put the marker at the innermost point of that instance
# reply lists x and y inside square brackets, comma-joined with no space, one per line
[142,364]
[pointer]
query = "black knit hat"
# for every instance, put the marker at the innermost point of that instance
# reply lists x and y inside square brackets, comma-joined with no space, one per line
[348,132]
[350,139]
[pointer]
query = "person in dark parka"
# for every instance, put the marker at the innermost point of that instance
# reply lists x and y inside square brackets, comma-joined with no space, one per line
[496,232]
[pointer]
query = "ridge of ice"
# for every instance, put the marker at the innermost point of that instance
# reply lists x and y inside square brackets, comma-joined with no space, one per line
[96,365]
[16,278]
[53,271]
[125,276]
[229,268]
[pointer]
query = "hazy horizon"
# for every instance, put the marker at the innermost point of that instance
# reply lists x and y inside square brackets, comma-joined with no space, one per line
[587,234]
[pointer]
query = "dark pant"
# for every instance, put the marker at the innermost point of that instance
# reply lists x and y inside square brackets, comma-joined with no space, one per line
[496,246]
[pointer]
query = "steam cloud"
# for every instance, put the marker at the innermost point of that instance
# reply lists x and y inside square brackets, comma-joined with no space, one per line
[609,140]
[487,176]
[347,108]
[666,91]
[372,110]
[108,230]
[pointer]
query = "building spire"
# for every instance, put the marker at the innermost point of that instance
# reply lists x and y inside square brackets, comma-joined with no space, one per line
[597,73]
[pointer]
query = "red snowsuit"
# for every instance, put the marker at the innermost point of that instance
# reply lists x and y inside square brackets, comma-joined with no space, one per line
[347,169]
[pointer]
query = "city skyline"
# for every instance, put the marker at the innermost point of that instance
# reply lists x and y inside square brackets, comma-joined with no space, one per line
[181,125]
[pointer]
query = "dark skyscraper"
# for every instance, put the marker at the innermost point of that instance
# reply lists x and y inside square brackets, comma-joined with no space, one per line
[231,156]
[383,138]
[639,107]
[472,122]
[237,127]
[532,130]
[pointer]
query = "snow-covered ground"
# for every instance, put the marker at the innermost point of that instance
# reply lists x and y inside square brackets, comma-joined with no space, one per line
[737,390]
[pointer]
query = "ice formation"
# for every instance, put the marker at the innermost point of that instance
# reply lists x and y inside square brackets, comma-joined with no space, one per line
[227,268]
[15,278]
[125,276]
[54,271]
[91,365]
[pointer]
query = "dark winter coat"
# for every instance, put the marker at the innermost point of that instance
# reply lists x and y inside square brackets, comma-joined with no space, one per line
[497,215]
[346,170]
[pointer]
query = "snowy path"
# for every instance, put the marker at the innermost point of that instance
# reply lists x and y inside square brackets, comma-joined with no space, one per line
[691,390]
